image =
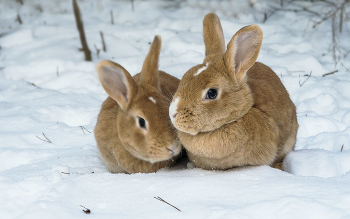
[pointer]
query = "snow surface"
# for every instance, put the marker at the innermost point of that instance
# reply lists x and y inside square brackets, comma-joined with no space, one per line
[47,89]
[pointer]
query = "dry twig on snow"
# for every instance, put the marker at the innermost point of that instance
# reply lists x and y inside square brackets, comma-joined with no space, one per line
[80,27]
[162,200]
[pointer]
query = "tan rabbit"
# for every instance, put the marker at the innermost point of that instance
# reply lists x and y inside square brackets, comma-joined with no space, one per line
[133,130]
[232,111]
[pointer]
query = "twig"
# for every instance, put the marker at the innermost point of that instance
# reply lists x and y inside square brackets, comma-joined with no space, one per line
[19,18]
[345,67]
[103,42]
[86,210]
[342,147]
[34,85]
[80,27]
[306,79]
[160,199]
[47,140]
[112,19]
[97,50]
[132,5]
[65,173]
[330,73]
[82,128]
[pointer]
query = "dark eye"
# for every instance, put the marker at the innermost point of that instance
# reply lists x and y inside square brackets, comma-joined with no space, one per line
[142,123]
[211,94]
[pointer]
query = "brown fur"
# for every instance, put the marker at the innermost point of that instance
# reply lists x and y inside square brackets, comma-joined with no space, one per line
[253,120]
[124,145]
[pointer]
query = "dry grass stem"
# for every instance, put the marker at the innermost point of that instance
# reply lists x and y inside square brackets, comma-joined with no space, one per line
[306,79]
[160,199]
[47,140]
[82,128]
[330,73]
[80,27]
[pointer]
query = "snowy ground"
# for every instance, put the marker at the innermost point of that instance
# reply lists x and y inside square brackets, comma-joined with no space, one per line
[47,88]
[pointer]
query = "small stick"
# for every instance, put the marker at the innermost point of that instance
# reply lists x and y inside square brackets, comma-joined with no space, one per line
[47,140]
[160,199]
[86,210]
[103,42]
[97,50]
[112,19]
[82,128]
[342,147]
[305,80]
[19,18]
[330,73]
[80,27]
[132,5]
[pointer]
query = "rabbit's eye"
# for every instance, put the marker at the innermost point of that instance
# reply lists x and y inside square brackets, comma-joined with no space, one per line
[212,94]
[142,123]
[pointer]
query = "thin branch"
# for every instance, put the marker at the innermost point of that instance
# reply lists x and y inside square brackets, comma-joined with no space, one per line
[82,128]
[80,27]
[97,50]
[19,19]
[132,5]
[47,140]
[112,19]
[160,199]
[306,79]
[330,73]
[103,42]
[86,210]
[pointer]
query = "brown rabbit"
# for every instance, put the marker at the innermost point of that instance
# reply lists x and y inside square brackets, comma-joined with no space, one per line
[133,131]
[232,111]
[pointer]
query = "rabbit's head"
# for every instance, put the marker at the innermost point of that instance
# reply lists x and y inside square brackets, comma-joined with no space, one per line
[215,93]
[142,120]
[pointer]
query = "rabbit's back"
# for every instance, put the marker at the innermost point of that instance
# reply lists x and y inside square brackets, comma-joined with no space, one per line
[272,98]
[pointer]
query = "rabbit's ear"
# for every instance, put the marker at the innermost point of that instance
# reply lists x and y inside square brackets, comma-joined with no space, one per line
[149,72]
[242,51]
[213,36]
[117,82]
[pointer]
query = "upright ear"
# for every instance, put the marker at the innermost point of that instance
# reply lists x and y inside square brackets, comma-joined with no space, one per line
[212,34]
[242,51]
[117,82]
[149,72]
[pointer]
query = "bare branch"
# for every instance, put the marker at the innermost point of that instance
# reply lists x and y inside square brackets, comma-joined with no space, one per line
[160,199]
[82,128]
[80,27]
[103,42]
[97,50]
[112,19]
[47,140]
[305,80]
[19,19]
[86,210]
[330,73]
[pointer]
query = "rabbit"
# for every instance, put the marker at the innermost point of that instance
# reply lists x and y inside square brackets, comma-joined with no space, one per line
[133,131]
[232,111]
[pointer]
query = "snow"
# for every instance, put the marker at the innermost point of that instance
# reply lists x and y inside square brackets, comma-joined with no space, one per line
[47,89]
